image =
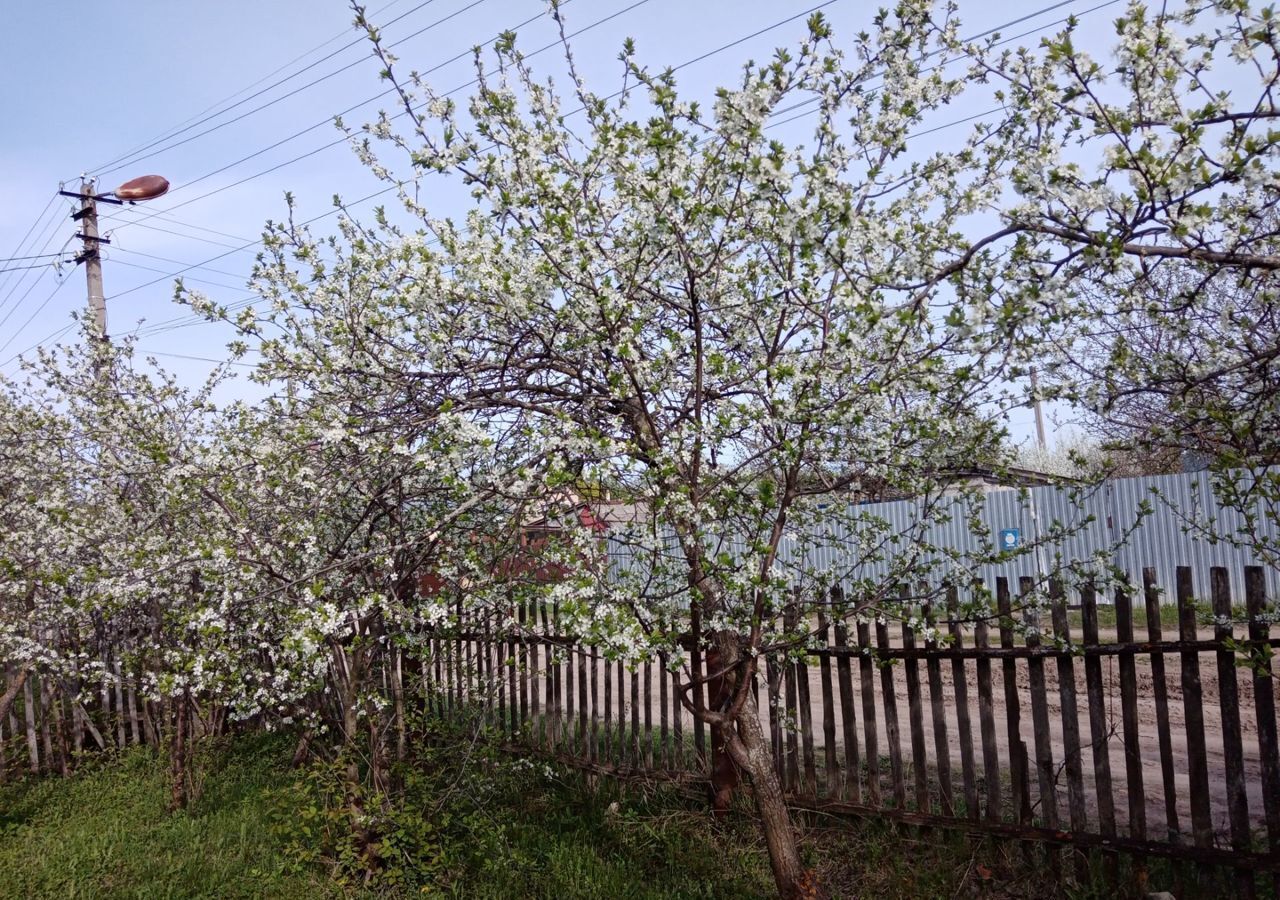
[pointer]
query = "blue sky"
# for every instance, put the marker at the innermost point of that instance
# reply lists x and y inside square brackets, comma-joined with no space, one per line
[87,83]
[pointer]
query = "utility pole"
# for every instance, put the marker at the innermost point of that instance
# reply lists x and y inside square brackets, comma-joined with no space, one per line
[1035,402]
[91,255]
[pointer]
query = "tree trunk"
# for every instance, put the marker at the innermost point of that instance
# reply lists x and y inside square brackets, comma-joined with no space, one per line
[46,732]
[106,704]
[131,699]
[302,752]
[178,752]
[29,716]
[58,706]
[397,689]
[751,752]
[16,681]
[87,721]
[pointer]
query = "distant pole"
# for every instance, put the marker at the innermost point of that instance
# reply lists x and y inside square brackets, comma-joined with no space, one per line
[1035,402]
[91,256]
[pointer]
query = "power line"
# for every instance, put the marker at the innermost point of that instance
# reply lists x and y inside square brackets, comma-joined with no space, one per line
[173,130]
[163,216]
[22,243]
[49,234]
[133,265]
[177,262]
[191,237]
[344,139]
[183,321]
[329,121]
[31,318]
[131,159]
[44,340]
[31,256]
[248,300]
[44,265]
[697,59]
[209,359]
[987,33]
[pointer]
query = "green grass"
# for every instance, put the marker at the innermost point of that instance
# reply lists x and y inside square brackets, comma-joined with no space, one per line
[471,822]
[105,833]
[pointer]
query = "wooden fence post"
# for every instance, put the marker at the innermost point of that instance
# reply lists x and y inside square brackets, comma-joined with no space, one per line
[1264,705]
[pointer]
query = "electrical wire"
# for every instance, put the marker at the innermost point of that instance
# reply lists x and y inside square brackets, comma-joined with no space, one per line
[173,130]
[133,265]
[248,300]
[31,256]
[329,120]
[31,230]
[44,340]
[209,359]
[344,139]
[44,265]
[164,217]
[184,321]
[132,159]
[191,237]
[48,235]
[176,262]
[33,315]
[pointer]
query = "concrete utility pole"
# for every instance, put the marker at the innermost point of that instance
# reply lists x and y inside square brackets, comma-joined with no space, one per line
[148,187]
[91,256]
[1035,400]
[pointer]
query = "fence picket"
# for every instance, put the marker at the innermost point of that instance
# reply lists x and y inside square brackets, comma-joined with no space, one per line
[585,745]
[635,718]
[677,718]
[1045,776]
[1264,707]
[866,675]
[937,705]
[915,716]
[1019,777]
[987,725]
[960,691]
[1096,702]
[664,727]
[1151,596]
[810,785]
[535,703]
[1133,767]
[1072,751]
[1193,715]
[1229,705]
[892,735]
[852,783]
[831,763]
[608,713]
[593,744]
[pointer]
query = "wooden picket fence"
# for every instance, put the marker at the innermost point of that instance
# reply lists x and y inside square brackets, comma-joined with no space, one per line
[1139,738]
[980,731]
[54,720]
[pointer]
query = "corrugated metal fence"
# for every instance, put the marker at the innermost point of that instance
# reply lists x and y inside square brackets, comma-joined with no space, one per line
[1088,527]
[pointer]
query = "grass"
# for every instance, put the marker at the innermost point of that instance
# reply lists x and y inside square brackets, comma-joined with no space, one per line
[470,822]
[105,833]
